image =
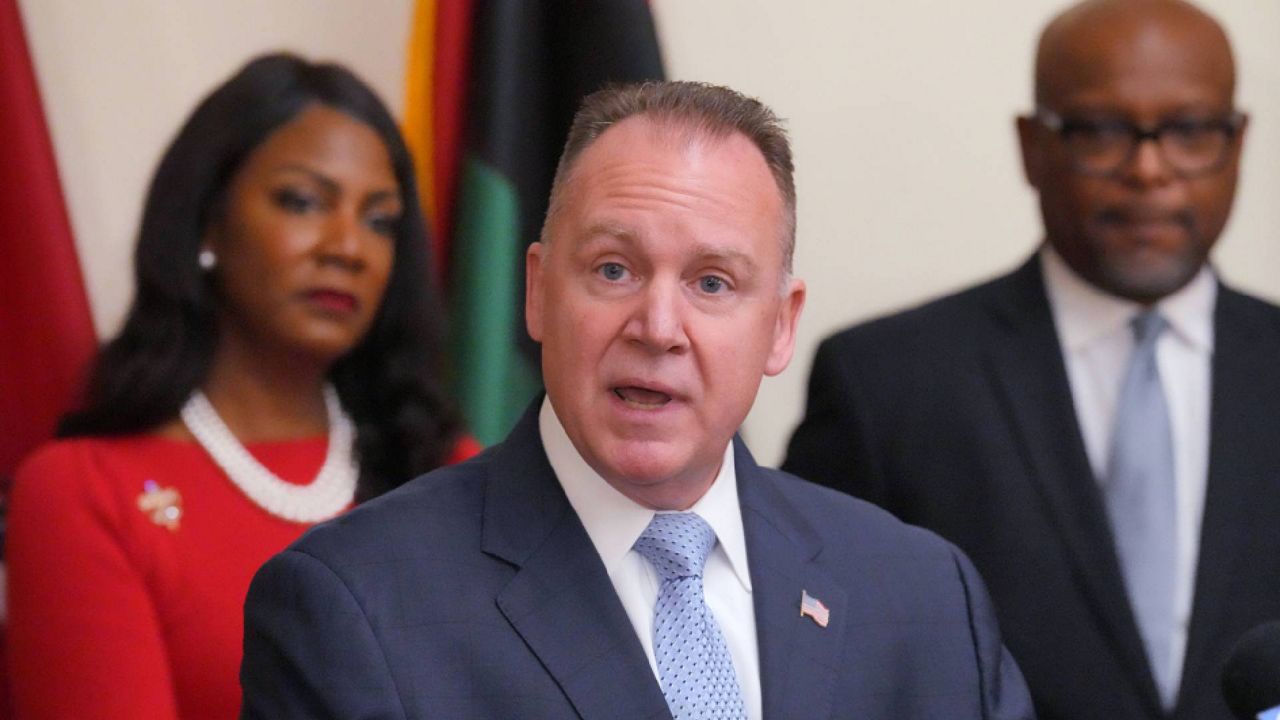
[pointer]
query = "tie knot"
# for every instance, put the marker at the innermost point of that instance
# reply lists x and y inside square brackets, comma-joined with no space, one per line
[1147,326]
[676,544]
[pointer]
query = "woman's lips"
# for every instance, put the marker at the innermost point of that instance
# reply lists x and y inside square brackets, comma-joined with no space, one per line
[334,301]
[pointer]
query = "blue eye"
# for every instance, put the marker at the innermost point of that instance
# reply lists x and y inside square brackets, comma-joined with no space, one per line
[711,284]
[612,271]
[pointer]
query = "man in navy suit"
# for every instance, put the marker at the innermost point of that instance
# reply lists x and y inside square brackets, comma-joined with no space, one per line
[994,416]
[525,583]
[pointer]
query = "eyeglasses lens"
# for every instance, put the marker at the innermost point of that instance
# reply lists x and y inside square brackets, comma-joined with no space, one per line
[1190,147]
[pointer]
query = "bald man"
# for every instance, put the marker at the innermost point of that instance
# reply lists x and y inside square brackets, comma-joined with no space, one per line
[1100,429]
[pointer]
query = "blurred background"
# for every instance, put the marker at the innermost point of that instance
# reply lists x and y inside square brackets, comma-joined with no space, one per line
[901,114]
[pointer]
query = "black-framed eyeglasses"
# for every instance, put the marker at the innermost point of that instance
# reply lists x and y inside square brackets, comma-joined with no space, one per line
[1191,146]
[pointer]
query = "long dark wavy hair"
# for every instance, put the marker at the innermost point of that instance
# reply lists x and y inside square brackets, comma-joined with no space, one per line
[389,383]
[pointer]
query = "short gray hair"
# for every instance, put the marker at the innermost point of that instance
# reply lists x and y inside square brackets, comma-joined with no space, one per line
[702,109]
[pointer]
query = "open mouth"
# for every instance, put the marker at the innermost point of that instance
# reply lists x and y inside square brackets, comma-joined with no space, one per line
[641,398]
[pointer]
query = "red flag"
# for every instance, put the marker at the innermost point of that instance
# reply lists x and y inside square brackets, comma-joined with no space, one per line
[435,97]
[46,332]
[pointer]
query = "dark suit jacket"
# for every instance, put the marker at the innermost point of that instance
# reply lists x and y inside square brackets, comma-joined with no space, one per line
[958,416]
[475,592]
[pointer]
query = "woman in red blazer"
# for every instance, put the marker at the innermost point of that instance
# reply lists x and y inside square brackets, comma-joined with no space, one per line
[280,362]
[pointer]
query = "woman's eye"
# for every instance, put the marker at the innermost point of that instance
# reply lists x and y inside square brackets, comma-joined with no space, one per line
[711,284]
[612,271]
[295,201]
[384,225]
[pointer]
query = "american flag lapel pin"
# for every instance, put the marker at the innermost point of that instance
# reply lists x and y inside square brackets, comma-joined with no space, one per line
[813,607]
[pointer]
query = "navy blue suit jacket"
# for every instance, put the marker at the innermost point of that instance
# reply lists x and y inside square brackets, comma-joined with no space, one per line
[958,416]
[475,592]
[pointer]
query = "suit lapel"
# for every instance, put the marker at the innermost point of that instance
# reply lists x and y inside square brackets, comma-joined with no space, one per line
[1029,374]
[561,601]
[797,657]
[1242,452]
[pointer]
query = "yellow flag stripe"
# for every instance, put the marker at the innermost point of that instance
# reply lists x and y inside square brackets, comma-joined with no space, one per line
[419,111]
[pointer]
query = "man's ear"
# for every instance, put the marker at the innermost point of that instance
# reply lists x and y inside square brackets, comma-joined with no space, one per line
[1237,143]
[1031,141]
[784,332]
[533,288]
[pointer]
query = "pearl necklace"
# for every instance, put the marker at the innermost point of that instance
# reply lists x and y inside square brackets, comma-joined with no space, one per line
[332,490]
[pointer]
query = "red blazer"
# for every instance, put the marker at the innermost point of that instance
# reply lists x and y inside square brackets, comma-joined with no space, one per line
[114,610]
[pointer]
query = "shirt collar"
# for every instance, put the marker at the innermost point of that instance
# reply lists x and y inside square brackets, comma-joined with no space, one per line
[614,521]
[1085,314]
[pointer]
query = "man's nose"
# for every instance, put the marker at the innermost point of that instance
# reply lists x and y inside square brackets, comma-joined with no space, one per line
[1148,166]
[658,319]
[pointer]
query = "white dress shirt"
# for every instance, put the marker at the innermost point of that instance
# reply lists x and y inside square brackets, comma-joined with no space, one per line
[614,522]
[1096,339]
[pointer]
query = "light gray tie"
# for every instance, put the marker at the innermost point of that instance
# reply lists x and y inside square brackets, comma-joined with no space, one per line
[694,665]
[1141,502]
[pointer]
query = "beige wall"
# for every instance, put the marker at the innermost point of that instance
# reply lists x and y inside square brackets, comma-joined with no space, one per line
[901,113]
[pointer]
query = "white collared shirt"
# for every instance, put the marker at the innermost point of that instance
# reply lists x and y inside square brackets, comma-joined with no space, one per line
[1096,338]
[614,522]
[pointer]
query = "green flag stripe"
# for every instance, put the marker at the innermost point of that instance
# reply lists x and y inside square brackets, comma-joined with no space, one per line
[494,381]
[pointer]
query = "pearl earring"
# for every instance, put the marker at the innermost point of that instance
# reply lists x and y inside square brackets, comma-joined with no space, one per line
[207,259]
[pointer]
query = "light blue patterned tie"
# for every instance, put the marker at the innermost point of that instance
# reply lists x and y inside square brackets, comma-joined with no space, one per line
[694,665]
[1141,502]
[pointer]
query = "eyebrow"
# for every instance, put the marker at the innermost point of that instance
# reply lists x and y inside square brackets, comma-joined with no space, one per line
[331,186]
[706,251]
[1182,110]
[602,231]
